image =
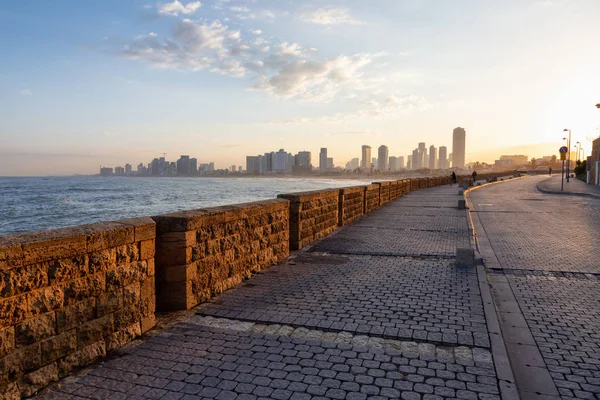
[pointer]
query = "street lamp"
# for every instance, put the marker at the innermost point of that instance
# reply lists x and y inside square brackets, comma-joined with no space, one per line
[578,149]
[569,154]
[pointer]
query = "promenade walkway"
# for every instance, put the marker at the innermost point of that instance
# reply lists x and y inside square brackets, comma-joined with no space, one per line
[377,310]
[574,187]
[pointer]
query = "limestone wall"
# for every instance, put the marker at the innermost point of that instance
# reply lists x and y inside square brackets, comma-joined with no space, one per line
[313,215]
[371,198]
[201,253]
[384,192]
[351,204]
[395,190]
[68,296]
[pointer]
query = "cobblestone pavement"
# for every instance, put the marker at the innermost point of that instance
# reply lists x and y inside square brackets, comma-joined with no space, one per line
[327,326]
[424,223]
[548,247]
[532,230]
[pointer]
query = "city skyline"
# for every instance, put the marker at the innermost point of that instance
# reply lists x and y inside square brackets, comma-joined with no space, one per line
[126,80]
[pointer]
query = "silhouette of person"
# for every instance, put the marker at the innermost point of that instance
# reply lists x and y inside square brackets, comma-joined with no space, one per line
[474,175]
[550,171]
[453,177]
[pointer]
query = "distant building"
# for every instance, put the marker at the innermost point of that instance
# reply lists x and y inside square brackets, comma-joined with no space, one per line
[458,147]
[303,159]
[401,162]
[393,163]
[119,171]
[323,160]
[193,166]
[366,157]
[330,163]
[282,161]
[233,168]
[374,162]
[416,159]
[443,158]
[382,156]
[432,157]
[409,162]
[516,159]
[128,169]
[106,171]
[353,164]
[252,165]
[183,165]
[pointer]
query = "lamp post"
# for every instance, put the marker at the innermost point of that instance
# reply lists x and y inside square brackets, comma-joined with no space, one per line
[568,154]
[578,150]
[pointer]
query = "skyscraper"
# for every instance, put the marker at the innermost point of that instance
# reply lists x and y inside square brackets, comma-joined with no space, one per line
[416,159]
[401,162]
[458,147]
[382,157]
[432,157]
[303,159]
[393,163]
[443,163]
[365,161]
[323,160]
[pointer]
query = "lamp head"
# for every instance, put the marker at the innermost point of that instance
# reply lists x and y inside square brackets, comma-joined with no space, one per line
[565,130]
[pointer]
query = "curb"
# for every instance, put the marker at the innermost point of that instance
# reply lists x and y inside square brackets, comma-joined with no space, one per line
[504,370]
[579,194]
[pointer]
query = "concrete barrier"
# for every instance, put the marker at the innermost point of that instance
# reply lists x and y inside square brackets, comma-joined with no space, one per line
[69,296]
[202,253]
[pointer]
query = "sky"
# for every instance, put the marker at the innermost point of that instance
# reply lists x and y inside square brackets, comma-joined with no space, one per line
[90,83]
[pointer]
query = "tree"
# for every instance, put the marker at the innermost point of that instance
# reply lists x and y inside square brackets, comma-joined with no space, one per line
[533,163]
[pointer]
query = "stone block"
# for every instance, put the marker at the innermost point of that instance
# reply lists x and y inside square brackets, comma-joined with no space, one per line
[66,269]
[35,329]
[75,315]
[127,254]
[123,336]
[131,294]
[124,275]
[147,323]
[147,248]
[127,316]
[84,288]
[10,391]
[7,341]
[23,279]
[13,310]
[465,258]
[44,300]
[52,245]
[145,227]
[109,302]
[11,252]
[32,382]
[106,235]
[148,288]
[84,356]
[102,260]
[462,204]
[58,346]
[95,330]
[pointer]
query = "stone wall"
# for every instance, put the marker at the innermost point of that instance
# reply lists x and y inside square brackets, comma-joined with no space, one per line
[68,296]
[201,253]
[351,204]
[384,192]
[395,190]
[371,198]
[313,215]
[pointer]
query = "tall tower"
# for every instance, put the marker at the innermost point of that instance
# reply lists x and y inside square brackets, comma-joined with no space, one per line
[458,147]
[443,163]
[382,158]
[365,161]
[432,157]
[323,160]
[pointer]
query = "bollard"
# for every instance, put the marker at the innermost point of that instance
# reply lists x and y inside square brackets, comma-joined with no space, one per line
[461,192]
[465,257]
[462,205]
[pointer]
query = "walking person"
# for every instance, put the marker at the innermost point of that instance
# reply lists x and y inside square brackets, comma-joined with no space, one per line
[453,177]
[550,171]
[474,175]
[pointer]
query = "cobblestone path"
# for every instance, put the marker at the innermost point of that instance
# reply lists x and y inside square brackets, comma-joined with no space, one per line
[548,249]
[377,310]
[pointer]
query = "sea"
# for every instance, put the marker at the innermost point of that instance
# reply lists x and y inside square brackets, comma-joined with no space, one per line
[32,204]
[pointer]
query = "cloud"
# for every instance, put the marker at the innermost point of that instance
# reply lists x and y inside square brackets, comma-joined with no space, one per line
[26,92]
[390,107]
[329,16]
[175,8]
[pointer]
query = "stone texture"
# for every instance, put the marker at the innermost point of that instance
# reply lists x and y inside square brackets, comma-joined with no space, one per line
[224,246]
[62,296]
[351,204]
